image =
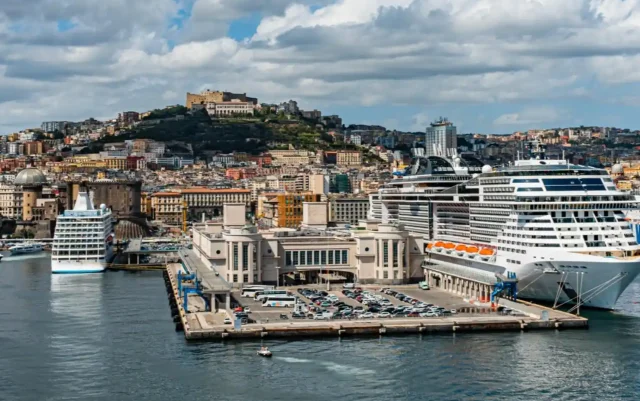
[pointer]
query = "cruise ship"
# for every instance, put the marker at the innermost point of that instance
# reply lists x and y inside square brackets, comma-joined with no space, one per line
[561,228]
[83,238]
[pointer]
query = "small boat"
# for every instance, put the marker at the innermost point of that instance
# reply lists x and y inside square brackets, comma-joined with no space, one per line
[264,352]
[25,248]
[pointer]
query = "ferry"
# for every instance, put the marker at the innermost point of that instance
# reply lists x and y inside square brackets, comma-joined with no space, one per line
[83,238]
[561,228]
[26,248]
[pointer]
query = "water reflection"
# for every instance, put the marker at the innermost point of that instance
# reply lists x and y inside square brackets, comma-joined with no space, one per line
[78,338]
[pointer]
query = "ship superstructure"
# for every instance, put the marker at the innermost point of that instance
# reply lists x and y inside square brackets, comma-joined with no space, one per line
[83,238]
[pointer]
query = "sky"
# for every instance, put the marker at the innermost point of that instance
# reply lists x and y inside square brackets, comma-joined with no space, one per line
[490,66]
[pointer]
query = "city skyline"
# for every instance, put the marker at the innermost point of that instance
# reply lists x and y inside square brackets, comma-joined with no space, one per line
[397,63]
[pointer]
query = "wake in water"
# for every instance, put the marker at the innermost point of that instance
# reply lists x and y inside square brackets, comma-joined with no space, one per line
[331,366]
[24,257]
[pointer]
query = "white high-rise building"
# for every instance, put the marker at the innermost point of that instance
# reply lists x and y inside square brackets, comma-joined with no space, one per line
[441,135]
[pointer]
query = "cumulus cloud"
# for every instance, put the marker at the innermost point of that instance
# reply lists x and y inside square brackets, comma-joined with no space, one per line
[112,55]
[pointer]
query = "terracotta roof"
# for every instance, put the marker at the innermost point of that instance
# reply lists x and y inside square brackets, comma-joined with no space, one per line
[213,191]
[166,194]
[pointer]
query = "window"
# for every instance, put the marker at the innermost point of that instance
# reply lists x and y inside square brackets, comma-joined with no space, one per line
[295,258]
[395,253]
[316,257]
[385,274]
[303,258]
[288,258]
[255,278]
[323,257]
[235,278]
[235,257]
[245,256]
[245,278]
[345,257]
[385,253]
[330,257]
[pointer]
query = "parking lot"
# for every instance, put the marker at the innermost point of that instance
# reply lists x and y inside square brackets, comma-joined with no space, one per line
[364,303]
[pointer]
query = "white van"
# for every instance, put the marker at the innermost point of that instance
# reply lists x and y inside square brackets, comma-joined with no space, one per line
[349,285]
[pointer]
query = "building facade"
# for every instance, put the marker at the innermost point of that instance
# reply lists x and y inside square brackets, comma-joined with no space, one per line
[228,109]
[370,253]
[441,136]
[348,210]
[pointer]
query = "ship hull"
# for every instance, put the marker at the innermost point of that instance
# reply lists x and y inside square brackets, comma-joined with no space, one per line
[77,266]
[598,282]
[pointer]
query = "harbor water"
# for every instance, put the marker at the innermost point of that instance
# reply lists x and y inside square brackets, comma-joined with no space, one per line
[111,337]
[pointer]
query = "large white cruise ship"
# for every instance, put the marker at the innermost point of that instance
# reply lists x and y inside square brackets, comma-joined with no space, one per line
[83,238]
[559,227]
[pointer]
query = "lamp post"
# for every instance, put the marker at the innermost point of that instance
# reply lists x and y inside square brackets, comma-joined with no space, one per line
[277,277]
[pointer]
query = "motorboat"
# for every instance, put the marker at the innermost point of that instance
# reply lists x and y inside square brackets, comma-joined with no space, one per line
[264,352]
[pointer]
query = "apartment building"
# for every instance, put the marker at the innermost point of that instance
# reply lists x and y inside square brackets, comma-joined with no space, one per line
[348,210]
[199,202]
[10,201]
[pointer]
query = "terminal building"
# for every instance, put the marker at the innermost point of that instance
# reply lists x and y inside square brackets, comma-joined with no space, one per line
[372,252]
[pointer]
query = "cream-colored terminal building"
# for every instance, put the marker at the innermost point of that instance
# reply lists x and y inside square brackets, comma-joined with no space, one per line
[372,252]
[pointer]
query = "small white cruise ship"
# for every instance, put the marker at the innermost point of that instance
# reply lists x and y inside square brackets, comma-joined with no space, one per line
[83,238]
[22,249]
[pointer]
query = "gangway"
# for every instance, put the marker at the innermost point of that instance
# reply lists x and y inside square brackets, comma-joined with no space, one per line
[195,289]
[507,286]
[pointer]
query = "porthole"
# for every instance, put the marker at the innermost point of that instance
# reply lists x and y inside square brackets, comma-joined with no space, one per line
[366,249]
[218,252]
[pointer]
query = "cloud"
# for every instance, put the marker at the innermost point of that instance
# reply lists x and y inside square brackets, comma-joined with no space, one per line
[531,116]
[115,55]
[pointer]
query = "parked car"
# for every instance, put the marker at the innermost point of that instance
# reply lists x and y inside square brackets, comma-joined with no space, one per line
[453,311]
[366,315]
[384,315]
[321,316]
[227,320]
[298,315]
[349,285]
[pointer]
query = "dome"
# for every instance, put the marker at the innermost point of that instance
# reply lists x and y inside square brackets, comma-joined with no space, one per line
[30,176]
[486,169]
[617,169]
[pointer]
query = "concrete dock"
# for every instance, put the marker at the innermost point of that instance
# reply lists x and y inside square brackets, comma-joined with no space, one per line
[202,325]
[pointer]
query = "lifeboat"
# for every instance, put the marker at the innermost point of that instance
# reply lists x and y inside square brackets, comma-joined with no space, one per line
[461,249]
[438,245]
[448,247]
[486,253]
[429,246]
[472,251]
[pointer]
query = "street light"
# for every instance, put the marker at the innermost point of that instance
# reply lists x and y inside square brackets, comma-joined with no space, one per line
[277,277]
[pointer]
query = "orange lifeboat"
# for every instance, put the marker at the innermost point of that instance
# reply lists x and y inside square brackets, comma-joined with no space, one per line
[448,247]
[438,245]
[486,253]
[429,246]
[472,249]
[461,249]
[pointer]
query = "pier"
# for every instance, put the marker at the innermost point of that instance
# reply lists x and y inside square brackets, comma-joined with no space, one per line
[200,323]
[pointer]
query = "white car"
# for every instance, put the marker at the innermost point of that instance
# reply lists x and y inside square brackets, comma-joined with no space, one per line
[384,315]
[320,316]
[247,309]
[227,320]
[366,315]
[453,311]
[428,314]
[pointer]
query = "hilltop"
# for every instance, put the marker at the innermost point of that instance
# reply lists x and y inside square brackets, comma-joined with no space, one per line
[254,134]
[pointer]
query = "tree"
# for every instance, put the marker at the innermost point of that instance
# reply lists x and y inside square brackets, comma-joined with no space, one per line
[58,135]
